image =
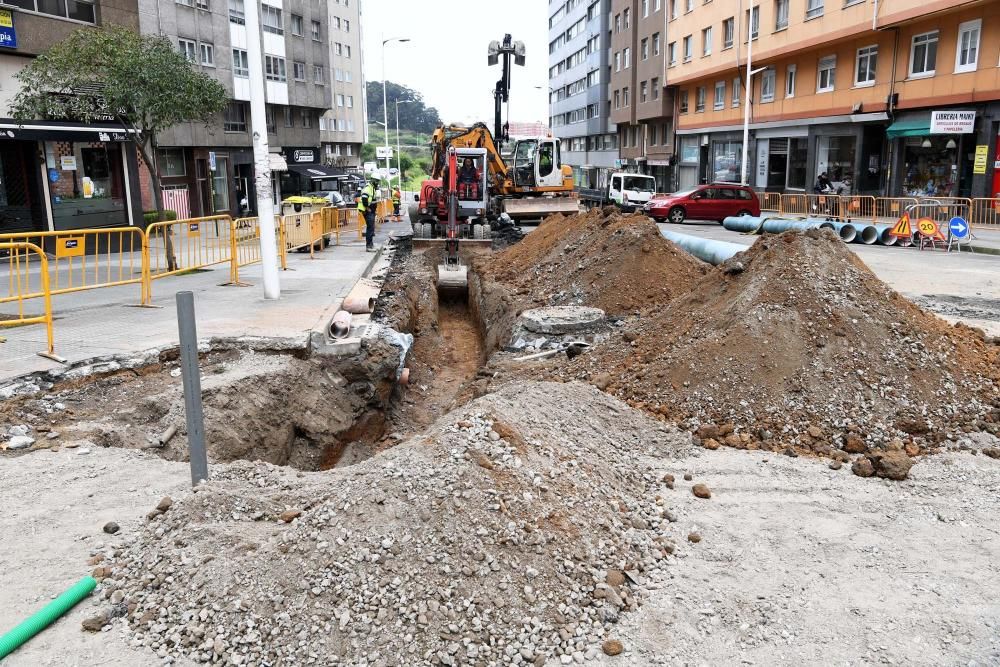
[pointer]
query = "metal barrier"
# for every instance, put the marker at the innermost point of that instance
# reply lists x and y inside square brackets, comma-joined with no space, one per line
[985,212]
[197,244]
[942,209]
[84,259]
[301,231]
[889,209]
[19,290]
[769,201]
[857,207]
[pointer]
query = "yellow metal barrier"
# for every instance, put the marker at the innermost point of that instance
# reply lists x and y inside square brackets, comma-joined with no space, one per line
[19,290]
[301,231]
[246,246]
[985,212]
[888,209]
[186,245]
[85,259]
[795,204]
[857,207]
[945,208]
[769,201]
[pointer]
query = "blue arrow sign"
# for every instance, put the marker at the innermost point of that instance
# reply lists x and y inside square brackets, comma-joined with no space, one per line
[959,227]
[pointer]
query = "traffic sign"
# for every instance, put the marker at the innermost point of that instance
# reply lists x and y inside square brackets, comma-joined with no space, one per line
[902,229]
[929,229]
[383,152]
[959,227]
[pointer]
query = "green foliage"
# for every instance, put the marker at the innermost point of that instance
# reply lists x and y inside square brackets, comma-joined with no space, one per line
[412,115]
[367,152]
[149,217]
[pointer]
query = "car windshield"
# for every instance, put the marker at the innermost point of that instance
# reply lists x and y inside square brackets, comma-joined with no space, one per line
[681,193]
[640,183]
[319,194]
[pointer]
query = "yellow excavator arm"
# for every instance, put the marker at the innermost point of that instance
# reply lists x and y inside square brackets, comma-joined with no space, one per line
[477,136]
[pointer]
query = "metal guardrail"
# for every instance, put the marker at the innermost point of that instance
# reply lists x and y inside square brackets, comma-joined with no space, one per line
[979,212]
[19,255]
[180,246]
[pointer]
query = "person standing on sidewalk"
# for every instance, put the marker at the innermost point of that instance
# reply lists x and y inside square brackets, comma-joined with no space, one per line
[366,208]
[396,198]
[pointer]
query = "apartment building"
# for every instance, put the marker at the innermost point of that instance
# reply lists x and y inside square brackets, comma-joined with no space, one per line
[343,128]
[892,97]
[641,106]
[45,164]
[209,170]
[579,108]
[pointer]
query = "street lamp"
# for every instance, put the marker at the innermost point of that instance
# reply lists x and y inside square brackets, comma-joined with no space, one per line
[385,103]
[746,120]
[399,161]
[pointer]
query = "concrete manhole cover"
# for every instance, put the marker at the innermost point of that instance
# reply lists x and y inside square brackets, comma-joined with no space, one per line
[561,319]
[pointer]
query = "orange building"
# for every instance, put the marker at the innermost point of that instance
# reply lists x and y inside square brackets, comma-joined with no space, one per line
[884,97]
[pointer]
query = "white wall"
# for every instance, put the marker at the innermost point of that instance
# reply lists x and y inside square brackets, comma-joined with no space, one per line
[9,66]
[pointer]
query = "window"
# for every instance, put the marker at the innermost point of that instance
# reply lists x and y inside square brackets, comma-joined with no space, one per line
[767,85]
[627,57]
[171,162]
[672,53]
[347,25]
[645,8]
[923,54]
[188,49]
[618,61]
[299,71]
[720,96]
[688,49]
[656,43]
[967,55]
[347,75]
[673,8]
[336,22]
[625,97]
[753,21]
[643,91]
[350,101]
[688,6]
[340,100]
[270,19]
[274,69]
[618,99]
[618,22]
[338,74]
[236,12]
[316,32]
[347,50]
[864,74]
[814,8]
[78,10]
[683,102]
[234,117]
[699,100]
[289,117]
[625,18]
[340,49]
[296,25]
[307,118]
[727,33]
[826,73]
[790,75]
[654,85]
[652,135]
[318,75]
[241,64]
[706,41]
[207,54]
[736,93]
[780,14]
[644,49]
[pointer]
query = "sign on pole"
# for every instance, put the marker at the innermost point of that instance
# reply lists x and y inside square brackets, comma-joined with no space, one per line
[383,152]
[959,227]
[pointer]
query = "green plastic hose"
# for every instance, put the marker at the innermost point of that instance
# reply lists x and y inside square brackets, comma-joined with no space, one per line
[45,616]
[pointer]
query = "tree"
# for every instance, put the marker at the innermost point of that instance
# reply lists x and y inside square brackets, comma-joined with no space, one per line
[412,116]
[367,152]
[141,82]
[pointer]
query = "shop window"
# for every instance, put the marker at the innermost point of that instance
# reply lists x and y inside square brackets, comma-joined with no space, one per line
[92,193]
[826,74]
[720,96]
[835,158]
[798,155]
[726,161]
[967,56]
[864,74]
[931,166]
[923,54]
[767,80]
[790,75]
[220,185]
[171,162]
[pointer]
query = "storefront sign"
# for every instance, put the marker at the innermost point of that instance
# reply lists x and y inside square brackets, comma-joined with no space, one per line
[979,166]
[8,36]
[68,162]
[304,156]
[952,122]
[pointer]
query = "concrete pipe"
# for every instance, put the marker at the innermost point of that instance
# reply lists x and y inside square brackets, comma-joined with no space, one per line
[845,230]
[885,236]
[866,234]
[746,224]
[777,226]
[340,325]
[404,377]
[359,305]
[713,252]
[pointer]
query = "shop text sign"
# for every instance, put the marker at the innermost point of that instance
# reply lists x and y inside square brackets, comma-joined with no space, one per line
[8,36]
[979,165]
[952,122]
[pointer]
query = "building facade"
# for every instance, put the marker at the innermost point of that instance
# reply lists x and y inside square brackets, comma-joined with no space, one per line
[641,104]
[885,98]
[343,128]
[54,175]
[579,108]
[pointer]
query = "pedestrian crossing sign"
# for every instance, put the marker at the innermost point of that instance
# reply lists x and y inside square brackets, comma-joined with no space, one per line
[902,229]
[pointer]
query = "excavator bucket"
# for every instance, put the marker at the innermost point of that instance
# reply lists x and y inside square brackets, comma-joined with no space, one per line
[540,207]
[453,281]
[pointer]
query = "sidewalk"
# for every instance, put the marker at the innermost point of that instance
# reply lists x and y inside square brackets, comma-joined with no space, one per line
[108,322]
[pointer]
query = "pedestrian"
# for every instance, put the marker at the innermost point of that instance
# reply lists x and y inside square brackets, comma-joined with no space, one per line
[396,198]
[366,208]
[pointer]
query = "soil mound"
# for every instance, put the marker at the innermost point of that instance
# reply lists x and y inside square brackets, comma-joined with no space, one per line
[796,341]
[617,263]
[515,530]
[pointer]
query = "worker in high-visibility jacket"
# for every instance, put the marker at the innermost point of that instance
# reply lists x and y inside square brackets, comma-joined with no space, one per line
[397,197]
[366,207]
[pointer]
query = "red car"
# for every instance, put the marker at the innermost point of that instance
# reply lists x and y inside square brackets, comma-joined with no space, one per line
[715,201]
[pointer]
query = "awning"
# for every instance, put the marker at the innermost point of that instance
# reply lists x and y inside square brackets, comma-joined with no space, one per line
[45,130]
[277,162]
[911,127]
[317,172]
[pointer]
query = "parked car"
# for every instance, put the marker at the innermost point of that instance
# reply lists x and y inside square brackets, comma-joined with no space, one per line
[332,197]
[715,201]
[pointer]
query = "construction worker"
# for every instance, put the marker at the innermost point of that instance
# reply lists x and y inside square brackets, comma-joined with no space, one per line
[366,208]
[396,198]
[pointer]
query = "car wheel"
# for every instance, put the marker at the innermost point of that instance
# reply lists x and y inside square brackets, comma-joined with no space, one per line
[676,215]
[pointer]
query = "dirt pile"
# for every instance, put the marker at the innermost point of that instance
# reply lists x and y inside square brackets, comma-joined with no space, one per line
[515,530]
[620,264]
[796,342]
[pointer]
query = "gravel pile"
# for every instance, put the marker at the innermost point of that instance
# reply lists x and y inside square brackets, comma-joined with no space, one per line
[515,530]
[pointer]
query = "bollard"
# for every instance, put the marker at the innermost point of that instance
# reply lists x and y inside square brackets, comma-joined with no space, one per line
[192,387]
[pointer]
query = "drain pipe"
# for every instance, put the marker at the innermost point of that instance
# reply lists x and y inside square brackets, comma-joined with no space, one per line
[713,252]
[340,326]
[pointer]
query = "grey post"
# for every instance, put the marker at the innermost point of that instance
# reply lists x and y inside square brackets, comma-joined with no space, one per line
[192,387]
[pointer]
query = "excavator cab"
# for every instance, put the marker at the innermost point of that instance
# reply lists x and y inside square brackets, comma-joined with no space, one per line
[537,163]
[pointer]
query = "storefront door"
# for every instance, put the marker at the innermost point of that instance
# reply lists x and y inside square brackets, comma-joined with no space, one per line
[86,184]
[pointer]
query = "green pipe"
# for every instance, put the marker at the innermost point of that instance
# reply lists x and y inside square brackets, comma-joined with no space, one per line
[45,616]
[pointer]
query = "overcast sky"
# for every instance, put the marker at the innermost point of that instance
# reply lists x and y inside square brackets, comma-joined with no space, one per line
[446,57]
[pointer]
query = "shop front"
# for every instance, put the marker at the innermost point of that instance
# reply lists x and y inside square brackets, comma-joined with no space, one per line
[934,151]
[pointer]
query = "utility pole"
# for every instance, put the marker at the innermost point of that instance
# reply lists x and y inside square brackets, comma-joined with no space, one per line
[399,159]
[262,166]
[385,103]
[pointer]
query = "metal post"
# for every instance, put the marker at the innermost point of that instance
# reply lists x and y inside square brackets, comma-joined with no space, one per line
[385,112]
[192,387]
[746,105]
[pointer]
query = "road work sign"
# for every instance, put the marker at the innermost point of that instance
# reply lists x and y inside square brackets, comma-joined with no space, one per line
[902,229]
[959,227]
[929,229]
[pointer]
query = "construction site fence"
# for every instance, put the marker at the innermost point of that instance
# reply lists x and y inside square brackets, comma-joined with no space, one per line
[979,212]
[41,265]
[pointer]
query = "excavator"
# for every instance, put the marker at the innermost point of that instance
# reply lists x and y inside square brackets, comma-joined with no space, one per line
[487,188]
